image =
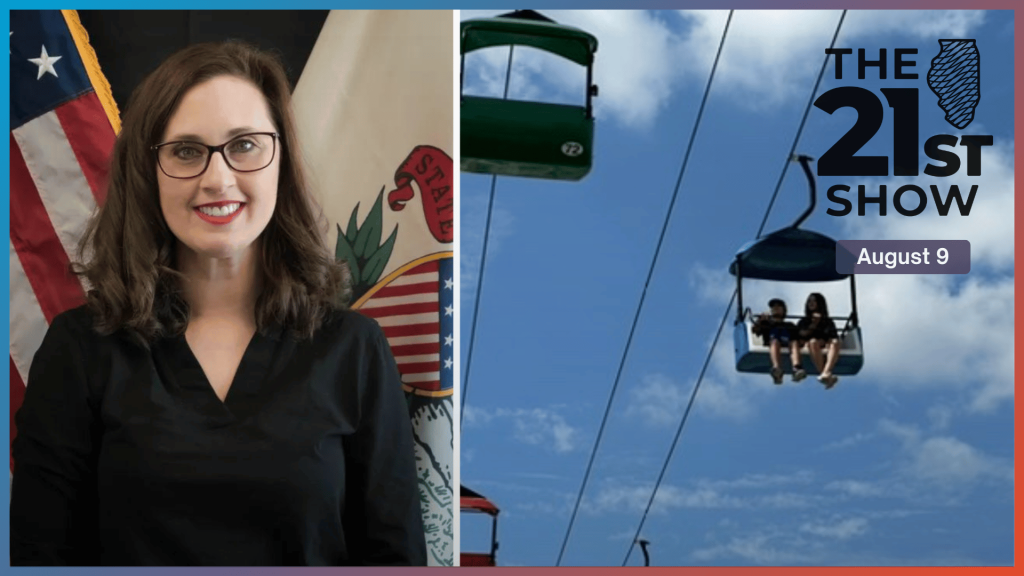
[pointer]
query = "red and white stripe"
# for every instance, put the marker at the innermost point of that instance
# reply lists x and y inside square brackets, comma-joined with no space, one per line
[408,310]
[59,165]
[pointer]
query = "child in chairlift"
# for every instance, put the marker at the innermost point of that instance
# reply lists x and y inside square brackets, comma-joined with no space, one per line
[778,333]
[818,332]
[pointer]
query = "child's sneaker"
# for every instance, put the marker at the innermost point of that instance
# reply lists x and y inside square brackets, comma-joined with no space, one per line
[799,375]
[777,375]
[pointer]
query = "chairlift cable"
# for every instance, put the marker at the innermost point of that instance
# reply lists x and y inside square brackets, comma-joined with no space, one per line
[800,129]
[483,262]
[707,360]
[643,295]
[679,430]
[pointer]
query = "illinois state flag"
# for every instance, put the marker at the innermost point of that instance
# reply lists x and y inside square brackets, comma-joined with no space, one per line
[374,109]
[63,123]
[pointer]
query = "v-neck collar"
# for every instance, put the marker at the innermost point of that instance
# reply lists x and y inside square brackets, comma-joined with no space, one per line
[247,382]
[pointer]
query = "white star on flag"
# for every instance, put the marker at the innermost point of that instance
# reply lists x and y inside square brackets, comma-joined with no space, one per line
[448,363]
[448,284]
[449,310]
[448,340]
[45,63]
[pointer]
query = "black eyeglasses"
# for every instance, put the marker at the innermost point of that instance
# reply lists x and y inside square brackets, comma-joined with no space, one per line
[244,153]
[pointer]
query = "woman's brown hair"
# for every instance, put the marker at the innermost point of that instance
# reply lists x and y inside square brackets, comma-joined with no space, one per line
[128,249]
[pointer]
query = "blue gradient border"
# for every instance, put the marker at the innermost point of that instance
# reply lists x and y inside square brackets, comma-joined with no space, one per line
[543,4]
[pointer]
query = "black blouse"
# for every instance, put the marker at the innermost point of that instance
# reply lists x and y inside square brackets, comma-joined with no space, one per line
[126,456]
[824,330]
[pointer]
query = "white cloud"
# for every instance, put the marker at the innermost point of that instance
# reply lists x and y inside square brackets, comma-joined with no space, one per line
[907,434]
[713,285]
[944,462]
[849,441]
[632,497]
[989,227]
[822,541]
[771,56]
[473,415]
[923,24]
[838,529]
[757,480]
[643,56]
[780,546]
[940,416]
[947,331]
[614,497]
[927,468]
[540,507]
[634,67]
[760,549]
[856,488]
[537,426]
[625,535]
[727,399]
[787,500]
[724,393]
[660,402]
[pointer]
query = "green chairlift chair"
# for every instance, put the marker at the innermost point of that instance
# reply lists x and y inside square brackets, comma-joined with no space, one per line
[523,138]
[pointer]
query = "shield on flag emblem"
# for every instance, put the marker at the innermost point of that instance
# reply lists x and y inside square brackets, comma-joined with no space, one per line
[379,145]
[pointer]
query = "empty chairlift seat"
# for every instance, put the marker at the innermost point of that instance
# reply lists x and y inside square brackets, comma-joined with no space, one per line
[522,138]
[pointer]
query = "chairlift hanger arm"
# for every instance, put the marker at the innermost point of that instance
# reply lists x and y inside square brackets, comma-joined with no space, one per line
[805,161]
[853,301]
[643,548]
[739,289]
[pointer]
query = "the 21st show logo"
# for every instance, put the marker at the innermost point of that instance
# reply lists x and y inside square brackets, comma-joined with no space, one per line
[955,79]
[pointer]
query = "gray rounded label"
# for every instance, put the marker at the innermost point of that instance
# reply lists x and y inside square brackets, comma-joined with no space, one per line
[903,257]
[572,149]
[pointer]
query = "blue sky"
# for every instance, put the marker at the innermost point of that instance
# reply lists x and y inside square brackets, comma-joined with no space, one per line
[910,462]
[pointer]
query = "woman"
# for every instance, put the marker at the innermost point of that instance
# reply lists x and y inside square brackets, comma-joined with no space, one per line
[213,403]
[819,333]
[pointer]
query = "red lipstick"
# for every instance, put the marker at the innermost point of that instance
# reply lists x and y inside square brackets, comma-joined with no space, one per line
[219,219]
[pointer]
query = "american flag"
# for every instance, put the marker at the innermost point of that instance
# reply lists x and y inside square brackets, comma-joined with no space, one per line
[63,123]
[417,312]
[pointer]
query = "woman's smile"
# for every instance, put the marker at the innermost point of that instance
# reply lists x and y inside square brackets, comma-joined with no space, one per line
[219,213]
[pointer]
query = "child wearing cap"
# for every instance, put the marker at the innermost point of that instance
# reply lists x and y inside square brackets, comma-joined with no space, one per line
[777,333]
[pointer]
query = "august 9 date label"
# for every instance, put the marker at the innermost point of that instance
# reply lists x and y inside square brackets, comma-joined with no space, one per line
[903,257]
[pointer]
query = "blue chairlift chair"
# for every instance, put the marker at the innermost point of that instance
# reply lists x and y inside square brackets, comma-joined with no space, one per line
[792,255]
